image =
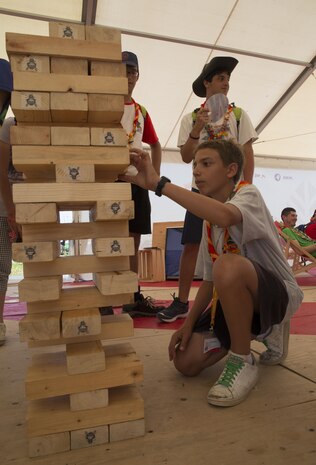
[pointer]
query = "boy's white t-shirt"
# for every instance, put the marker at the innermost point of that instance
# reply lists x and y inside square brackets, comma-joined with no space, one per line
[244,133]
[257,239]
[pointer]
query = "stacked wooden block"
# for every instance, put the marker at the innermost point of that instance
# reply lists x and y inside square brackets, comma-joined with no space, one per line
[68,100]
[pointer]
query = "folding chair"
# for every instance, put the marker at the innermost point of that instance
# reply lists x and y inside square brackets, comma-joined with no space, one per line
[299,259]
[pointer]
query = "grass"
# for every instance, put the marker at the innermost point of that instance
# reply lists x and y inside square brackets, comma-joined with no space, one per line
[17,269]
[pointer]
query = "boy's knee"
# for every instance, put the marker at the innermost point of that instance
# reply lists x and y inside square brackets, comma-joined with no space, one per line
[226,268]
[185,367]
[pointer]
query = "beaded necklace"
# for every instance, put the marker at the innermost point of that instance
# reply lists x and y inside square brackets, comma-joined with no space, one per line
[135,123]
[222,131]
[229,246]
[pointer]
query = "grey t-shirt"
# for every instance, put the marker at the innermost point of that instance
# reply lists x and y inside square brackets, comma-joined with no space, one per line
[257,239]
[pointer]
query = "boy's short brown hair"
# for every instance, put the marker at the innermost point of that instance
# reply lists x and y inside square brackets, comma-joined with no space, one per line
[229,151]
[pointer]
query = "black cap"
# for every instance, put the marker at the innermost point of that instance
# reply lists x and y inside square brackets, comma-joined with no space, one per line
[216,64]
[130,59]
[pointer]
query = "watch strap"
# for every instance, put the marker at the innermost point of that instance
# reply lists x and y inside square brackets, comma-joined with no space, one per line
[163,180]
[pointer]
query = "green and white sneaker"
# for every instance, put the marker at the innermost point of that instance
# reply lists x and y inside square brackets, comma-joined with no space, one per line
[235,383]
[277,344]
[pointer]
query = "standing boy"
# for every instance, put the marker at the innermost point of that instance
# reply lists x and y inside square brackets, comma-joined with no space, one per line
[195,128]
[139,128]
[245,272]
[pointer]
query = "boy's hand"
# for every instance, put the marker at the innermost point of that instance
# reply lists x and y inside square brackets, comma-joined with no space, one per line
[147,178]
[179,341]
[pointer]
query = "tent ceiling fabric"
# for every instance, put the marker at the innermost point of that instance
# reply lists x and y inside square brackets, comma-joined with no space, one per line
[281,29]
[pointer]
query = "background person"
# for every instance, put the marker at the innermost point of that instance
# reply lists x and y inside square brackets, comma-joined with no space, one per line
[196,128]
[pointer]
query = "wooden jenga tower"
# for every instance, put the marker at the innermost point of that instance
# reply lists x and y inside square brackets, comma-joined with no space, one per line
[68,102]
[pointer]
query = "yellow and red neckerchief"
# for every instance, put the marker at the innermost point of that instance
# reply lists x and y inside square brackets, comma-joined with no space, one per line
[136,118]
[229,246]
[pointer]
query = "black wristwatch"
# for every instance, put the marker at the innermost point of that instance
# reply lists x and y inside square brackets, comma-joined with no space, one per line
[160,185]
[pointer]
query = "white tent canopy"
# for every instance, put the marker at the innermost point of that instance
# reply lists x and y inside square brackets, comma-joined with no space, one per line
[274,41]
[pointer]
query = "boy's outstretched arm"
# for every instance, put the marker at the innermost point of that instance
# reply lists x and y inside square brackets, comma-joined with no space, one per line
[223,215]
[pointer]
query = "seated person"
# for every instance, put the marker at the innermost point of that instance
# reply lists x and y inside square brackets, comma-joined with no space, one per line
[310,228]
[289,218]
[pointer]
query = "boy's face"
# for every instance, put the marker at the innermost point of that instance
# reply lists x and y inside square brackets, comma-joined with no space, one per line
[290,219]
[211,175]
[218,85]
[132,77]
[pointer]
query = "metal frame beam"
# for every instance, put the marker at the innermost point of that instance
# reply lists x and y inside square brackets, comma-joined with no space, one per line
[286,96]
[89,11]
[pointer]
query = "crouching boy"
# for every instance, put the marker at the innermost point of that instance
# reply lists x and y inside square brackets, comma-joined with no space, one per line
[246,276]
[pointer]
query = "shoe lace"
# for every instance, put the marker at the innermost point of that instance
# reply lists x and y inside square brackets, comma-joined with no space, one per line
[149,301]
[232,368]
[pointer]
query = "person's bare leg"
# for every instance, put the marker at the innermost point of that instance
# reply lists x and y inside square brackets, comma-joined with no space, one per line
[186,271]
[193,360]
[236,282]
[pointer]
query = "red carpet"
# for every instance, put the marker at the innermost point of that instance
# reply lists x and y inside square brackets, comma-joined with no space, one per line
[303,322]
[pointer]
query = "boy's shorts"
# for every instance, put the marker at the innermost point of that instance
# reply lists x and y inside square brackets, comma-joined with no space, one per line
[272,303]
[141,224]
[192,228]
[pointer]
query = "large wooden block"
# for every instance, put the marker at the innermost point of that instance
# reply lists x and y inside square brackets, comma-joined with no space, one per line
[106,68]
[71,194]
[127,430]
[113,327]
[40,288]
[68,107]
[48,376]
[36,213]
[86,322]
[30,135]
[76,264]
[38,161]
[85,357]
[74,172]
[45,82]
[113,247]
[105,108]
[35,251]
[58,46]
[31,106]
[68,66]
[90,399]
[67,30]
[108,137]
[48,416]
[49,444]
[113,210]
[30,63]
[112,282]
[70,136]
[80,297]
[58,231]
[89,437]
[103,34]
[40,327]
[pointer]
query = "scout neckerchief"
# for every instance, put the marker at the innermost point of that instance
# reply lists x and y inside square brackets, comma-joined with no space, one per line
[135,123]
[222,131]
[229,246]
